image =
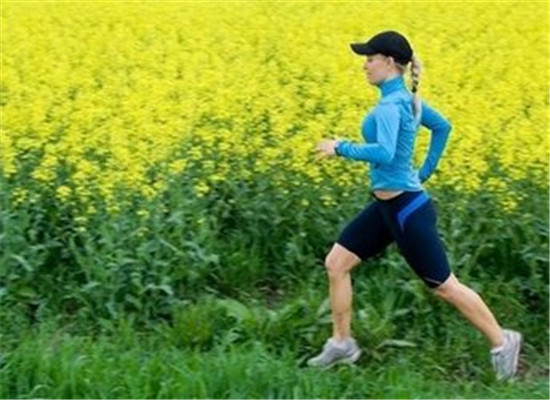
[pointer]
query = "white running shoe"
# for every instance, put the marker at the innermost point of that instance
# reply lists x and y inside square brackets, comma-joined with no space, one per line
[505,357]
[335,352]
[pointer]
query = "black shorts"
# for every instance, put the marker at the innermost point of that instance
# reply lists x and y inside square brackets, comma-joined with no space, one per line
[409,219]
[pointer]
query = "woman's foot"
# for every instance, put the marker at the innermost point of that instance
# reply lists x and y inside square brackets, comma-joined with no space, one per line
[505,357]
[334,352]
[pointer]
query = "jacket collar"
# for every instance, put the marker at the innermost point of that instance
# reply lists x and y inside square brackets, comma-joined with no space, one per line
[388,86]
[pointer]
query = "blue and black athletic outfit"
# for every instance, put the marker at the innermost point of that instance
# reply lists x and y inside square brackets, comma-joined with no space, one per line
[409,219]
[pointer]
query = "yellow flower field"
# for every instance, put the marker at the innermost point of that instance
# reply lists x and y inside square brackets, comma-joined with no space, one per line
[101,97]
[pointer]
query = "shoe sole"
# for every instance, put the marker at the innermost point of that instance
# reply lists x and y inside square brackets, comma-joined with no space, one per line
[516,353]
[354,357]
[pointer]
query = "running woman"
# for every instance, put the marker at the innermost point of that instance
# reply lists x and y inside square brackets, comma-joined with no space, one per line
[401,210]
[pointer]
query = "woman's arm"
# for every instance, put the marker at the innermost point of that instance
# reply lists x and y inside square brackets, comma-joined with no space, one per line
[440,129]
[386,117]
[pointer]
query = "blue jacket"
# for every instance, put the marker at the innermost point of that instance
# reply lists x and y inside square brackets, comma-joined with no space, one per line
[390,131]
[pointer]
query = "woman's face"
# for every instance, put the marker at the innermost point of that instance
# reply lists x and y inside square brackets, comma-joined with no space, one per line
[377,67]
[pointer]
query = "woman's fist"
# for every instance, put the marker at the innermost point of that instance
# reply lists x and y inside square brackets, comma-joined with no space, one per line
[326,148]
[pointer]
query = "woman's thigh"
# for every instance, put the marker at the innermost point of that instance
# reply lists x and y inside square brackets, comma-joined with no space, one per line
[367,235]
[418,239]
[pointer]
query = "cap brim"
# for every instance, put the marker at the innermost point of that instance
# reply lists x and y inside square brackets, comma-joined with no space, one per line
[362,49]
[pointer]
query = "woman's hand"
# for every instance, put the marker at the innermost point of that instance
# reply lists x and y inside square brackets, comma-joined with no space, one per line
[326,148]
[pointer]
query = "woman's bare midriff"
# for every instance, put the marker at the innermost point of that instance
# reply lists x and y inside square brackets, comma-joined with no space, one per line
[387,194]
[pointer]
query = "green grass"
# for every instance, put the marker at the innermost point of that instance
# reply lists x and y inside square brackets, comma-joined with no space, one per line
[232,307]
[53,363]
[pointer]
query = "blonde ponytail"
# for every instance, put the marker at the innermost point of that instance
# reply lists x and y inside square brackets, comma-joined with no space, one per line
[416,71]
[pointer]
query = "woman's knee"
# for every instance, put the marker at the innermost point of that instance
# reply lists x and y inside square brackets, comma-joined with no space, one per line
[340,261]
[448,289]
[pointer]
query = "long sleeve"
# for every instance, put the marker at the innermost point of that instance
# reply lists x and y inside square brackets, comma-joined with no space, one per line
[387,119]
[440,129]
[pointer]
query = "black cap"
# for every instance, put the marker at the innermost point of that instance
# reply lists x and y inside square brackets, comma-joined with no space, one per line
[388,43]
